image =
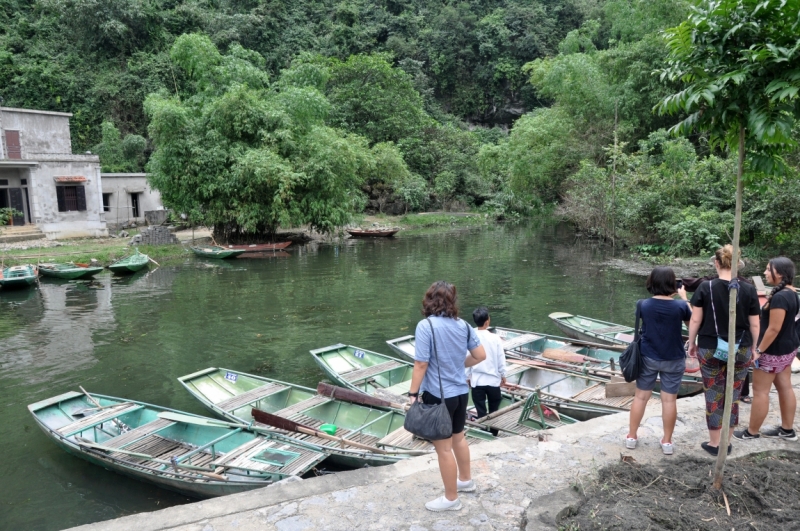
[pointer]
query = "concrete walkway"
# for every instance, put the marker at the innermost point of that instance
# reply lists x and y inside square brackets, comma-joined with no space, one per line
[523,483]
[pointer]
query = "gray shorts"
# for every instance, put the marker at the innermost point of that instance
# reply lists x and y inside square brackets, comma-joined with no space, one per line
[669,371]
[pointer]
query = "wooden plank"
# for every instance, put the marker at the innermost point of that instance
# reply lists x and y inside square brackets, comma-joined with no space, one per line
[518,341]
[303,405]
[99,418]
[368,372]
[138,433]
[251,396]
[609,329]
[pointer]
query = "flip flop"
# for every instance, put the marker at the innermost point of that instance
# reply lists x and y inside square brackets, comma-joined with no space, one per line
[746,399]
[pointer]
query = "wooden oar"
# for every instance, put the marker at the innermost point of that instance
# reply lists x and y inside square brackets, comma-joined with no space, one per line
[291,425]
[565,355]
[348,395]
[84,442]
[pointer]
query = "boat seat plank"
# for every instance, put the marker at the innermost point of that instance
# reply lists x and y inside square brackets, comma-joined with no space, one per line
[104,415]
[236,452]
[515,368]
[368,372]
[121,441]
[610,329]
[251,396]
[303,405]
[518,341]
[397,390]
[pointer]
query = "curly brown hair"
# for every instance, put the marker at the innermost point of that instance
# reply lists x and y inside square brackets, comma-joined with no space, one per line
[440,299]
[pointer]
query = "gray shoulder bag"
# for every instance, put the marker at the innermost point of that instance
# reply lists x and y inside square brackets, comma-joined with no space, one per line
[430,421]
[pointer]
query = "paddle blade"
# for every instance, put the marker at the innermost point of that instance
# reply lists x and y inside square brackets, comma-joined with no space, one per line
[563,355]
[348,395]
[279,422]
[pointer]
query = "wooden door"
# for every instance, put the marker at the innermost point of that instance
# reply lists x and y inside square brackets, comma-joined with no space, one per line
[12,145]
[16,202]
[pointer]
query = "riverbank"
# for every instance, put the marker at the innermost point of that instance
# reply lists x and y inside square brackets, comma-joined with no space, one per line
[523,483]
[108,250]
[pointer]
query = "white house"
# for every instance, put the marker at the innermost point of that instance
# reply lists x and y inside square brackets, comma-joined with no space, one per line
[127,196]
[56,190]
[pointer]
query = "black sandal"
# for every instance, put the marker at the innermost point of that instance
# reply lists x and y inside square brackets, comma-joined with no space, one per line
[746,399]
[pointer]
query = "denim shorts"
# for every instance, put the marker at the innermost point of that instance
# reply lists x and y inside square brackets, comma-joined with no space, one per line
[669,371]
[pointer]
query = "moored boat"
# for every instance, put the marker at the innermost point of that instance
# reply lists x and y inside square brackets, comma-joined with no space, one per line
[69,271]
[215,251]
[382,376]
[372,233]
[260,247]
[365,435]
[193,455]
[17,277]
[130,264]
[595,330]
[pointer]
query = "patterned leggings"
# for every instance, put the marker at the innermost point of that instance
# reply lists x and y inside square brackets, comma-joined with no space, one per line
[715,372]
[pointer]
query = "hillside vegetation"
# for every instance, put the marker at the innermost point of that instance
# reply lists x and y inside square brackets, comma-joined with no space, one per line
[251,114]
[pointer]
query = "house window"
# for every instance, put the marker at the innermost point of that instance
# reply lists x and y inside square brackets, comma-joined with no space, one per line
[71,198]
[12,145]
[3,182]
[23,182]
[135,205]
[106,202]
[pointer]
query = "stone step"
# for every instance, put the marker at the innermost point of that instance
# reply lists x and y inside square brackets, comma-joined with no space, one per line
[20,234]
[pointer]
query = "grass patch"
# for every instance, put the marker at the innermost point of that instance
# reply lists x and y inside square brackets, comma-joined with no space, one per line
[442,219]
[104,251]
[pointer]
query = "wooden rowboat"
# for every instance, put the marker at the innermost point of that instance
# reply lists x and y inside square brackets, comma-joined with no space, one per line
[17,277]
[261,247]
[189,454]
[130,264]
[372,233]
[375,374]
[68,271]
[215,251]
[369,436]
[595,330]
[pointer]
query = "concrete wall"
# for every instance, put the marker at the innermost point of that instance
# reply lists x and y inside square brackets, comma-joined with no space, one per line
[121,186]
[55,224]
[39,131]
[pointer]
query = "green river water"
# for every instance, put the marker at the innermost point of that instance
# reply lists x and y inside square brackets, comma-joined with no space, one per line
[133,337]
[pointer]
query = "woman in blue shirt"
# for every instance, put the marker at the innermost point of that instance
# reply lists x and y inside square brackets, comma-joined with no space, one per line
[454,338]
[662,353]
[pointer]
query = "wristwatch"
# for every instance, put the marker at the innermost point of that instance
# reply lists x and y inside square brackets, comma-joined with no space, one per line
[414,394]
[758,351]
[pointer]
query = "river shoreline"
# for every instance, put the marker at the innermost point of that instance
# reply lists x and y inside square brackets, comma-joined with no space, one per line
[108,250]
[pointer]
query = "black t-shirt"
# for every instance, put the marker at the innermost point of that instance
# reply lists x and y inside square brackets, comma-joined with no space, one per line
[745,307]
[661,328]
[786,340]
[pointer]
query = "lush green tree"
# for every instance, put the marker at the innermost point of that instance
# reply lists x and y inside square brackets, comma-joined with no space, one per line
[118,154]
[247,156]
[739,61]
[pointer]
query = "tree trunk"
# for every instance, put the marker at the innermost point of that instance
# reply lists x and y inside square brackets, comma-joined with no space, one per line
[722,454]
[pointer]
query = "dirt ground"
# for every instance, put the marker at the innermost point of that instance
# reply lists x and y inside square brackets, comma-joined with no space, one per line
[677,495]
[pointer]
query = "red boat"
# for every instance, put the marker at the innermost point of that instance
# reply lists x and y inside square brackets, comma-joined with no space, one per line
[261,247]
[372,233]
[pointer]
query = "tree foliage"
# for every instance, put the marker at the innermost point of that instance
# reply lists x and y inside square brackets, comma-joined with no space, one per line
[245,155]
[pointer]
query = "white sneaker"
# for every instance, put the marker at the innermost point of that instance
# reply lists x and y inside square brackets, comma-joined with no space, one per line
[667,448]
[443,504]
[630,444]
[466,486]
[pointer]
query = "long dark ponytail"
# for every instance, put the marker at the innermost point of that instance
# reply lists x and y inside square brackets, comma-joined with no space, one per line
[783,267]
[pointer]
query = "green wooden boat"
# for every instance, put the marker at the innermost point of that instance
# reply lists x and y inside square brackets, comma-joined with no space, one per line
[68,271]
[233,395]
[215,251]
[189,454]
[522,344]
[595,330]
[385,377]
[17,277]
[130,264]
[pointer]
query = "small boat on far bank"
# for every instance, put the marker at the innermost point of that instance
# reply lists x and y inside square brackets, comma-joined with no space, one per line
[594,330]
[130,264]
[260,247]
[18,277]
[215,251]
[372,233]
[69,271]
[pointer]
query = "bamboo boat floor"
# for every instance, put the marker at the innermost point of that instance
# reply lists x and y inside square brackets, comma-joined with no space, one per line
[251,396]
[161,448]
[369,372]
[596,394]
[242,457]
[510,421]
[120,441]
